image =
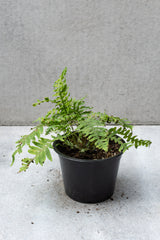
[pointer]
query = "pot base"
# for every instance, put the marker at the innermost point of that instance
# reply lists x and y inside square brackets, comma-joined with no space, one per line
[88,200]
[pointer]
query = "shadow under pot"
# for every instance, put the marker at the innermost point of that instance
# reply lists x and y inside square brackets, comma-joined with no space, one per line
[88,180]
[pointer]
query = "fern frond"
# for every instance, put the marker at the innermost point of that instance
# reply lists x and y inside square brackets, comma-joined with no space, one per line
[95,132]
[40,150]
[46,99]
[106,119]
[25,164]
[26,140]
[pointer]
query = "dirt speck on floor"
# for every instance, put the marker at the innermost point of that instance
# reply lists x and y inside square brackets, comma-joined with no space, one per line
[122,195]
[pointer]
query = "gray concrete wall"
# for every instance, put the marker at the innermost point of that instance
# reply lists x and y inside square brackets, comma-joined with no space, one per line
[111,49]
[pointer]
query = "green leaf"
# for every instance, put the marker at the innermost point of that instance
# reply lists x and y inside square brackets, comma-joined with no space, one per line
[42,157]
[48,154]
[46,99]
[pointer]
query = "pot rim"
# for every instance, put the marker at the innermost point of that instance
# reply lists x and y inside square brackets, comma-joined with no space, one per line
[82,159]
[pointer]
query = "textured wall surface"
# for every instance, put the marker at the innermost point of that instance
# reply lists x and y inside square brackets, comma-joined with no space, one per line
[111,49]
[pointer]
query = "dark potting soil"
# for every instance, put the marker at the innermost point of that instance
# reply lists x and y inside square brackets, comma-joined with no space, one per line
[113,150]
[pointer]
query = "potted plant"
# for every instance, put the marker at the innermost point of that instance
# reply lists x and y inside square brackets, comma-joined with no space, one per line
[89,152]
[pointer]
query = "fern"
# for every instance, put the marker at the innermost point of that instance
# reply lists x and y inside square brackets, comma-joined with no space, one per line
[76,125]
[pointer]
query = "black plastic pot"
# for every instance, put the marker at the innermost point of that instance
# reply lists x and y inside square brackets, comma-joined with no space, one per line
[88,181]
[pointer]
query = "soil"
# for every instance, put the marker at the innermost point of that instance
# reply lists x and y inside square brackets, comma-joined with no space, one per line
[113,150]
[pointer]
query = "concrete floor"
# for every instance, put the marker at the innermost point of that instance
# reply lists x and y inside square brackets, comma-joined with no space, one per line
[33,205]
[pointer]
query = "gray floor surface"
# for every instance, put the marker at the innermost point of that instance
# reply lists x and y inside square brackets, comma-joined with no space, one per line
[33,205]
